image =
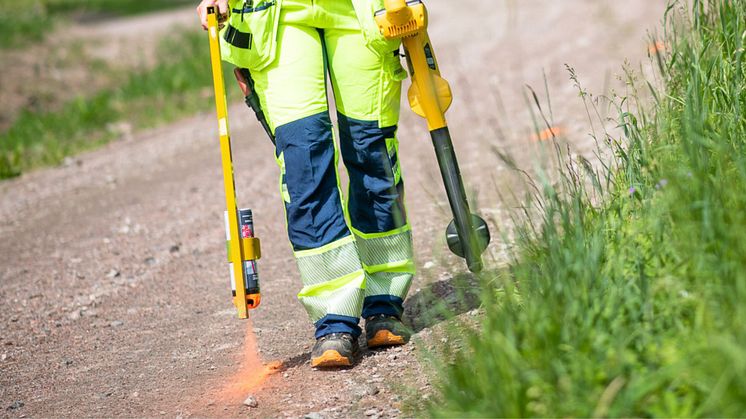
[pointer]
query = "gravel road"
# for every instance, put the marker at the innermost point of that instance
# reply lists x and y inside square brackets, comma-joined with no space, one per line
[115,299]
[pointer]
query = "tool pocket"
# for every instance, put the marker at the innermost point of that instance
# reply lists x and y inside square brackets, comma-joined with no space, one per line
[283,178]
[249,40]
[365,11]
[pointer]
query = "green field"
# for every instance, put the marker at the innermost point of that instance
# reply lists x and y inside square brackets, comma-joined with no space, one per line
[632,282]
[178,86]
[22,23]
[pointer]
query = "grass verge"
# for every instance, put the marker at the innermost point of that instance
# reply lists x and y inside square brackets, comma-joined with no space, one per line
[178,86]
[632,282]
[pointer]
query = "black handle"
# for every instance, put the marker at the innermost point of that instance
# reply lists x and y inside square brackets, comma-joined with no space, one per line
[449,170]
[252,101]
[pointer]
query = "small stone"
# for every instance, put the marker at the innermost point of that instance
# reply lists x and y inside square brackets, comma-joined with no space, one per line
[174,248]
[150,261]
[113,274]
[75,315]
[366,390]
[162,412]
[251,402]
[428,265]
[313,415]
[116,323]
[371,412]
[16,405]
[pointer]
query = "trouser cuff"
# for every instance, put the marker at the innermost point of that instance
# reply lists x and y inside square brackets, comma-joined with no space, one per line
[335,323]
[389,305]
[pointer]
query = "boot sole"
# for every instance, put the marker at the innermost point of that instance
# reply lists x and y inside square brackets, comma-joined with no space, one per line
[331,358]
[385,338]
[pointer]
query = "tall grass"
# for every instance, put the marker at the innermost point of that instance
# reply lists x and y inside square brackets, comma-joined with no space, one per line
[178,86]
[632,281]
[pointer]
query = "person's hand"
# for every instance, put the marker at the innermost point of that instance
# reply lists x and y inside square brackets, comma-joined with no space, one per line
[222,6]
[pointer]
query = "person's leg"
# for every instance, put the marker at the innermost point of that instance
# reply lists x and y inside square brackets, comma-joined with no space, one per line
[367,91]
[293,93]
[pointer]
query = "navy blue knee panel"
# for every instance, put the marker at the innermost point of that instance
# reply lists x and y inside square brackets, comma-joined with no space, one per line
[314,213]
[376,202]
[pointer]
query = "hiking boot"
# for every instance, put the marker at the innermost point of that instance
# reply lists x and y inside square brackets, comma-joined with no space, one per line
[384,330]
[334,350]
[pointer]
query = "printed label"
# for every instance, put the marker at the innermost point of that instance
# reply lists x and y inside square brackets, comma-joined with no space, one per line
[223,126]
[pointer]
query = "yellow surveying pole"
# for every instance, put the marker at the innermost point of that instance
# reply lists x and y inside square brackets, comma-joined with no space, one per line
[243,249]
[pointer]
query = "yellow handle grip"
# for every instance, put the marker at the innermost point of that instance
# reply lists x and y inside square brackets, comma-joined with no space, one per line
[397,12]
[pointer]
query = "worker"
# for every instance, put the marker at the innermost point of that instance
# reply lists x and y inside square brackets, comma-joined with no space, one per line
[354,254]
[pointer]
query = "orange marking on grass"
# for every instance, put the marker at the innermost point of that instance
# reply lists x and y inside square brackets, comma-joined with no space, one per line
[547,134]
[656,47]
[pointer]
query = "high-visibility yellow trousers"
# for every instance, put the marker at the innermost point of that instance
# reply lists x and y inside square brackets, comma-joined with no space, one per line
[355,254]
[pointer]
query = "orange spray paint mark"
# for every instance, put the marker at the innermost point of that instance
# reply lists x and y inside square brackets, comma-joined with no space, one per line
[656,47]
[251,373]
[547,134]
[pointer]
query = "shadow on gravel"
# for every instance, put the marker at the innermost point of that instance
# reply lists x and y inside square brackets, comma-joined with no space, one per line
[432,304]
[296,361]
[441,300]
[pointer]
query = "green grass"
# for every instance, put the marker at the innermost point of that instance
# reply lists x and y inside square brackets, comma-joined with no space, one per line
[632,280]
[179,85]
[22,23]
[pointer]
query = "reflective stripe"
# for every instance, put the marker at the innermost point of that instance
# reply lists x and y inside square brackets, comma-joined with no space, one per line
[327,263]
[392,146]
[343,296]
[389,283]
[388,261]
[406,266]
[385,248]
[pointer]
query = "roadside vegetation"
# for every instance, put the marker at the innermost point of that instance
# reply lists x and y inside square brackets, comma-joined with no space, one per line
[632,278]
[179,85]
[26,22]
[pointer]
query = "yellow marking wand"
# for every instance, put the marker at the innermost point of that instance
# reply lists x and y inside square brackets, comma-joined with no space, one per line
[243,247]
[430,96]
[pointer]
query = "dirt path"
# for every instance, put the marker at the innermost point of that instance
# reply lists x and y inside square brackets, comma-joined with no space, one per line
[114,284]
